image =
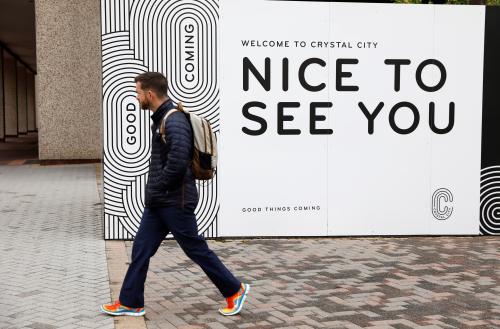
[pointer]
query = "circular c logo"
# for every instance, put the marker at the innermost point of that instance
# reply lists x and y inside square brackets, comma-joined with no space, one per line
[441,204]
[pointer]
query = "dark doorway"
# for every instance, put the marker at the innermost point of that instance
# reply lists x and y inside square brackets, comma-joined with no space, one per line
[18,114]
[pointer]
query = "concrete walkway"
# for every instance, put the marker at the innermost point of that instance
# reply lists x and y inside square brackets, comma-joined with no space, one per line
[53,271]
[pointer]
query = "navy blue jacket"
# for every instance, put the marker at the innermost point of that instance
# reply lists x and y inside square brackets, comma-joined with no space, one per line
[171,181]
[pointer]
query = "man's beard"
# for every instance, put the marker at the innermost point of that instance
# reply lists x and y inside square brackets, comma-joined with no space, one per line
[145,105]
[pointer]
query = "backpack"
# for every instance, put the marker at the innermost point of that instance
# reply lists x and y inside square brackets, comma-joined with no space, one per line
[204,161]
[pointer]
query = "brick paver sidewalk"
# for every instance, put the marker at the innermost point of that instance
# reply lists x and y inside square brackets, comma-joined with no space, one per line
[54,274]
[434,282]
[53,271]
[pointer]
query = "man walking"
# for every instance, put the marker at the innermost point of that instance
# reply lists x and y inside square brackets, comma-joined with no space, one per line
[171,198]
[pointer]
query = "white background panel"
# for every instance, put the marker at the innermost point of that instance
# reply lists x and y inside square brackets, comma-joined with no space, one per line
[456,156]
[270,170]
[364,184]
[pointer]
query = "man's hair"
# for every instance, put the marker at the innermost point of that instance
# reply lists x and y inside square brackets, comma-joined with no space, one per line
[154,81]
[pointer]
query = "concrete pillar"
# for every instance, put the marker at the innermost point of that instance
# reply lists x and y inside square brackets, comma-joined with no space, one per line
[10,96]
[22,108]
[2,109]
[68,95]
[37,111]
[30,87]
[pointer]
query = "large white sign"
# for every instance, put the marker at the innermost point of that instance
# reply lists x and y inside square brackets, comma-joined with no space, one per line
[332,118]
[349,119]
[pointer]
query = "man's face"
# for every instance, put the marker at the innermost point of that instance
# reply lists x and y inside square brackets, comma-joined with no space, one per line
[143,96]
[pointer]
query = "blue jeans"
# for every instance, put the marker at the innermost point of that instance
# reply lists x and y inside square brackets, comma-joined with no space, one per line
[156,223]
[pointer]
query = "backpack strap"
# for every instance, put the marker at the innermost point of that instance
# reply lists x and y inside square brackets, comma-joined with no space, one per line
[164,122]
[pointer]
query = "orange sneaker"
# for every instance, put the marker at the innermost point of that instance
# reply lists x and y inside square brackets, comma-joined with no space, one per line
[235,302]
[117,308]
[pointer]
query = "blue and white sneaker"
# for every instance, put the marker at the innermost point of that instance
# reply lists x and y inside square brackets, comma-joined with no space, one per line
[117,308]
[235,302]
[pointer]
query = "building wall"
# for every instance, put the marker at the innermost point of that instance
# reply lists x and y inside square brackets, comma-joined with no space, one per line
[10,88]
[22,109]
[68,84]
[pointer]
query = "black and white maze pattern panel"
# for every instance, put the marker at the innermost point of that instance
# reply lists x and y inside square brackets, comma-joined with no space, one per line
[179,39]
[490,201]
[490,148]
